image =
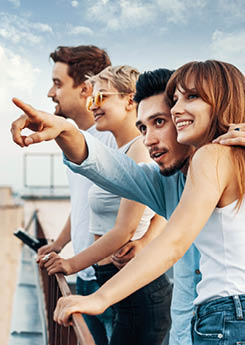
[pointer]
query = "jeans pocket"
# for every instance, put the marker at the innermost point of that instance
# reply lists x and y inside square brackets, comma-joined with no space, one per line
[210,326]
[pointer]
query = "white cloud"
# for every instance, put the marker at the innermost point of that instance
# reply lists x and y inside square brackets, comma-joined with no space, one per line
[83,30]
[16,3]
[17,75]
[16,29]
[229,47]
[125,13]
[74,3]
[177,11]
[122,14]
[232,9]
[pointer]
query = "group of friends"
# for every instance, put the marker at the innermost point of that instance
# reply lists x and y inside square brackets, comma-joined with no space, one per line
[156,168]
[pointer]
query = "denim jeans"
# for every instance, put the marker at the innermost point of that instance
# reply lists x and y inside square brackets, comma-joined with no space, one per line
[142,318]
[100,325]
[220,322]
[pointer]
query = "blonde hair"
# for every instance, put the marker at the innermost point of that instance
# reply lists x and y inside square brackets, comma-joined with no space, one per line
[123,78]
[221,85]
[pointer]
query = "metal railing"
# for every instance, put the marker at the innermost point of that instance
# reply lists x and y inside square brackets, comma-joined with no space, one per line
[53,287]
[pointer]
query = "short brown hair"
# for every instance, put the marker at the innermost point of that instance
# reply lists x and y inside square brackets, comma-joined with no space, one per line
[81,60]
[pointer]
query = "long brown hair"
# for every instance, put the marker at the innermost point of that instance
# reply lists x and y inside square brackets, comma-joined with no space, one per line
[221,85]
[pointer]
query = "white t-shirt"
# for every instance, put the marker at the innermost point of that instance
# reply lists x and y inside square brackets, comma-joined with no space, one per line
[79,187]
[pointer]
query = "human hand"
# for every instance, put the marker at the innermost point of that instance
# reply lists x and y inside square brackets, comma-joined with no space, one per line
[54,264]
[48,248]
[233,136]
[45,126]
[66,306]
[127,252]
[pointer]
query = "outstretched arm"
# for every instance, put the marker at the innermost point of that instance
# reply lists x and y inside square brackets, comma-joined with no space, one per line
[47,127]
[205,184]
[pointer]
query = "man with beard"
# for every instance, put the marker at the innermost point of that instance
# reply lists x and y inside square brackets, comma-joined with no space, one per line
[158,185]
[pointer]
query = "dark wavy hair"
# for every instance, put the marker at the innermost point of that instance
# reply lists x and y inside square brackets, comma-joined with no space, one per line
[151,83]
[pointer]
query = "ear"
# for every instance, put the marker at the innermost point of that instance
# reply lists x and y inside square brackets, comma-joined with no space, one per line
[130,102]
[86,89]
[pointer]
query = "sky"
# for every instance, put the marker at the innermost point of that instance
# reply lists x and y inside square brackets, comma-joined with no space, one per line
[143,34]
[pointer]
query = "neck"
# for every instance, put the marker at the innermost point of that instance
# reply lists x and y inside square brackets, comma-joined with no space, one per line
[126,131]
[185,166]
[84,120]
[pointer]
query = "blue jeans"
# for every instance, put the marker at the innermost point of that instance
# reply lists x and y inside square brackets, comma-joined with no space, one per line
[220,322]
[100,325]
[142,318]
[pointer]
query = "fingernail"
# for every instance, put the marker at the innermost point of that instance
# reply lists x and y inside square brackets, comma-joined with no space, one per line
[28,141]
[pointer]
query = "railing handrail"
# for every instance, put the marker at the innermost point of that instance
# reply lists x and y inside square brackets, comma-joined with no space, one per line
[79,325]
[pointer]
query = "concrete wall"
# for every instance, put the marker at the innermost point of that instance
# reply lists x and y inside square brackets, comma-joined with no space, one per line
[11,217]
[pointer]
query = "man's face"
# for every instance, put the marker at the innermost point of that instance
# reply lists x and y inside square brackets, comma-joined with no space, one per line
[67,97]
[159,135]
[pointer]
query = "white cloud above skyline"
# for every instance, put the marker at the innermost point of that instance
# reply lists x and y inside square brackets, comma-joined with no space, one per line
[229,47]
[83,30]
[74,3]
[19,29]
[16,3]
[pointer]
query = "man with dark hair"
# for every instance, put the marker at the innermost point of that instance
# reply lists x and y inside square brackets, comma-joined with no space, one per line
[145,183]
[142,182]
[70,92]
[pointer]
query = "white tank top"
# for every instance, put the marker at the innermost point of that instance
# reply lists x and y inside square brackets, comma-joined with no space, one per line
[104,208]
[222,247]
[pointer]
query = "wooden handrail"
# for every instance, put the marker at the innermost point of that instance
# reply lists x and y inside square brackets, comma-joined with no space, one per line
[53,288]
[79,325]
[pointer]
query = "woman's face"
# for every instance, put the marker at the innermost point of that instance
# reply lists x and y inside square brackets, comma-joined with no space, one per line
[109,113]
[191,115]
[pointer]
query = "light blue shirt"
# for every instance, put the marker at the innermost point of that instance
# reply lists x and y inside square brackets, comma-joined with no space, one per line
[119,174]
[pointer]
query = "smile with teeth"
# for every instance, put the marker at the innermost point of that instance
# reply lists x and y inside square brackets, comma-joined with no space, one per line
[183,124]
[157,155]
[98,116]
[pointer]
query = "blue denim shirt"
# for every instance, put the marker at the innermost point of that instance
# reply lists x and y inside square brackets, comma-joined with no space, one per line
[119,174]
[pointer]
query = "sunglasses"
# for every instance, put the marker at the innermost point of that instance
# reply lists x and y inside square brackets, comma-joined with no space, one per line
[99,98]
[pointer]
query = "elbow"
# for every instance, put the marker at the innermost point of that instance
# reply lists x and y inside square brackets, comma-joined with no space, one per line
[178,251]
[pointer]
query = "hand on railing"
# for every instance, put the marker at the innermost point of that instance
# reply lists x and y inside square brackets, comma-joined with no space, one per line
[75,319]
[54,264]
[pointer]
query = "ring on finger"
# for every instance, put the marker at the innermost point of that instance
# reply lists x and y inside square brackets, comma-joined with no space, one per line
[46,257]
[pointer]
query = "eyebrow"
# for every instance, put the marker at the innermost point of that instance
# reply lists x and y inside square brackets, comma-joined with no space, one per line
[152,117]
[56,79]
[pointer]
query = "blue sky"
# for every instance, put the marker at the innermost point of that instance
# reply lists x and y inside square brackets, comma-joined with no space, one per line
[144,34]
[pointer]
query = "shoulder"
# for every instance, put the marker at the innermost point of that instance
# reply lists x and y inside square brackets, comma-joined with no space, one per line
[211,153]
[138,152]
[213,161]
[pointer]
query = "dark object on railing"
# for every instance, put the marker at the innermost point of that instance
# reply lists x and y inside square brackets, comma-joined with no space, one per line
[30,241]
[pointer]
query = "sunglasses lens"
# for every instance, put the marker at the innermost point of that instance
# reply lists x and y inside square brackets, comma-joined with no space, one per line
[89,102]
[98,99]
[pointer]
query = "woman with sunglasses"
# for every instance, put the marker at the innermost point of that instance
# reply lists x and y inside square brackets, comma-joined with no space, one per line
[205,98]
[144,317]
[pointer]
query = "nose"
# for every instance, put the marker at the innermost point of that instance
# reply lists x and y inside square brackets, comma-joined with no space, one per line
[178,108]
[150,138]
[51,92]
[93,106]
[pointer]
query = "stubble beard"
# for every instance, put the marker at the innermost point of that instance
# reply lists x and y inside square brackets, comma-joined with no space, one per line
[177,166]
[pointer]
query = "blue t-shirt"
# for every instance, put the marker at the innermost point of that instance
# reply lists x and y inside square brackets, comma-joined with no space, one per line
[119,174]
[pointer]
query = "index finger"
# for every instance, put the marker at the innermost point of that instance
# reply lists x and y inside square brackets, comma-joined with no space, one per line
[27,108]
